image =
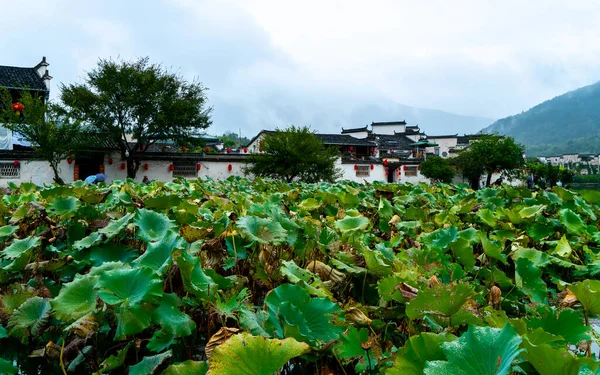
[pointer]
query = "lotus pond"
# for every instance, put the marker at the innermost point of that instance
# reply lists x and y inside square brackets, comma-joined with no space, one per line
[260,277]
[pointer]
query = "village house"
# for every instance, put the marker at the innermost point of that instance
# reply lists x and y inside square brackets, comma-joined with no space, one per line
[381,151]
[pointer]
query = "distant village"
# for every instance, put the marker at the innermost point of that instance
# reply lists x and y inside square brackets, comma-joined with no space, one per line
[380,151]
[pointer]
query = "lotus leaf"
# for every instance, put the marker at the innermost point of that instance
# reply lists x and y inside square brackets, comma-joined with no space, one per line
[153,226]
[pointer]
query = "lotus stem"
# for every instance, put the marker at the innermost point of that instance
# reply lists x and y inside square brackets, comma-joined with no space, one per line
[62,364]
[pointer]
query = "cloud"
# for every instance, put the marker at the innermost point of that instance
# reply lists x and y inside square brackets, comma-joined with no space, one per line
[327,63]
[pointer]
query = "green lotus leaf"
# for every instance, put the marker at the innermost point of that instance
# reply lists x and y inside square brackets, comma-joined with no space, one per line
[63,206]
[86,242]
[168,316]
[262,230]
[115,227]
[3,332]
[531,211]
[254,322]
[115,361]
[441,299]
[352,223]
[385,209]
[304,318]
[187,368]
[540,231]
[7,367]
[162,202]
[440,239]
[194,279]
[158,254]
[411,359]
[563,248]
[19,247]
[568,323]
[463,253]
[153,226]
[7,231]
[106,267]
[112,252]
[387,288]
[572,221]
[129,285]
[309,204]
[492,248]
[480,351]
[75,299]
[244,354]
[131,319]
[350,343]
[308,280]
[538,258]
[588,293]
[549,361]
[528,278]
[31,316]
[487,217]
[161,340]
[148,365]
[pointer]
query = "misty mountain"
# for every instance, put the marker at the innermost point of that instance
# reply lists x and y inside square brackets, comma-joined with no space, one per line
[566,124]
[331,116]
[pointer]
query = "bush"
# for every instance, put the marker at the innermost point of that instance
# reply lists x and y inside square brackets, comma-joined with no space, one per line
[437,169]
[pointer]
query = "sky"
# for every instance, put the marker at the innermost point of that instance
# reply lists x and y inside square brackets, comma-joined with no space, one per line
[328,63]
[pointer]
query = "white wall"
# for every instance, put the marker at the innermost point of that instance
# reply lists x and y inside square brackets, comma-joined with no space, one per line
[388,129]
[444,145]
[359,135]
[349,173]
[218,170]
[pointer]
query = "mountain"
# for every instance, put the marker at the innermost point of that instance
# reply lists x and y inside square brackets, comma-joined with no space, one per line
[567,124]
[332,115]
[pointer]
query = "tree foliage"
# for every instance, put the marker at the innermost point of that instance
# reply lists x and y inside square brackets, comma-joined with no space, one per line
[547,175]
[52,135]
[295,153]
[487,154]
[438,169]
[136,104]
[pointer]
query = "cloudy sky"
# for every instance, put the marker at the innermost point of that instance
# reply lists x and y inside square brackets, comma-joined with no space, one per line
[326,63]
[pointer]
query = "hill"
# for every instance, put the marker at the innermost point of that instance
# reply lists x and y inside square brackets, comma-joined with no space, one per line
[569,123]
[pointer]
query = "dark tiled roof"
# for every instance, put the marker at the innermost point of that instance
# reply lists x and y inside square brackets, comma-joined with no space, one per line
[258,135]
[355,130]
[443,136]
[396,142]
[344,140]
[21,78]
[97,141]
[403,122]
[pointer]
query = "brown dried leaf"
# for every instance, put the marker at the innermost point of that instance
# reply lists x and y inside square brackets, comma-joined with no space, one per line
[218,338]
[84,326]
[495,294]
[569,300]
[433,280]
[354,315]
[408,292]
[325,272]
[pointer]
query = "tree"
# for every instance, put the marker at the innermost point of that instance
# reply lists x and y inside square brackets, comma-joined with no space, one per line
[231,139]
[137,104]
[52,135]
[438,169]
[292,154]
[547,175]
[487,154]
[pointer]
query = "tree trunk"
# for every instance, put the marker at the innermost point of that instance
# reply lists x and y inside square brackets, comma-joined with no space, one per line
[57,177]
[475,183]
[489,179]
[132,168]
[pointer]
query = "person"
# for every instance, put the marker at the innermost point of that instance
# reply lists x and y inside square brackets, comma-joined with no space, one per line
[146,180]
[95,178]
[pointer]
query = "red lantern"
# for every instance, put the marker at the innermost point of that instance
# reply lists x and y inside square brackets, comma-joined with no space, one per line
[141,148]
[419,167]
[372,149]
[356,167]
[229,167]
[146,166]
[18,108]
[110,161]
[260,149]
[171,167]
[228,150]
[404,167]
[385,162]
[372,166]
[123,166]
[351,148]
[184,149]
[198,166]
[16,163]
[207,149]
[245,150]
[70,159]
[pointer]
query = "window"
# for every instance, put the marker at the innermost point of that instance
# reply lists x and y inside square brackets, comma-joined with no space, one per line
[9,170]
[437,151]
[185,168]
[410,171]
[363,171]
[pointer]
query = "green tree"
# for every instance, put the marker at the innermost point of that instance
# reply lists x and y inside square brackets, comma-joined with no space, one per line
[547,175]
[295,153]
[438,169]
[52,135]
[231,139]
[488,154]
[136,104]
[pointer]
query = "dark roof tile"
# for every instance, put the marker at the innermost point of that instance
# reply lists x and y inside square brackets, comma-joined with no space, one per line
[21,78]
[344,140]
